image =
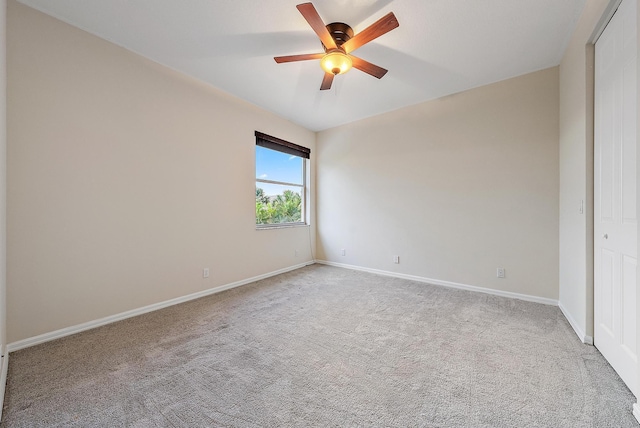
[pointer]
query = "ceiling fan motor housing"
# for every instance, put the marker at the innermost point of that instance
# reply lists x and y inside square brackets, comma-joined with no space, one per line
[340,32]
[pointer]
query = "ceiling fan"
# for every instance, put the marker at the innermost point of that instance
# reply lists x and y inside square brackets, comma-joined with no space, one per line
[338,41]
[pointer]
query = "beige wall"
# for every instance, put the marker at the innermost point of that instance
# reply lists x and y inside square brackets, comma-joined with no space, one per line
[636,407]
[3,177]
[456,187]
[576,172]
[125,180]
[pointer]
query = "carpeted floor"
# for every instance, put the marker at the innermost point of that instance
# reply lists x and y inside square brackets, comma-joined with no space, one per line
[323,346]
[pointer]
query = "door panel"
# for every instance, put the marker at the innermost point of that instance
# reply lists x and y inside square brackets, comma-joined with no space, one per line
[615,210]
[606,291]
[629,266]
[605,157]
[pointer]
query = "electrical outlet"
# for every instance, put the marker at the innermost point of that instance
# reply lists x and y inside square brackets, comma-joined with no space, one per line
[205,273]
[343,252]
[500,272]
[396,259]
[295,253]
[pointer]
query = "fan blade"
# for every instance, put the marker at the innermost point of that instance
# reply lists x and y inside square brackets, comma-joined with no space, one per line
[367,67]
[327,80]
[292,58]
[375,30]
[311,15]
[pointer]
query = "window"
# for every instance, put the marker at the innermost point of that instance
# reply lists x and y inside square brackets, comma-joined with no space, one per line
[280,182]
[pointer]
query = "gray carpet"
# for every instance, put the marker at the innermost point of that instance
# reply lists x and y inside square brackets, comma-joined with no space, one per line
[323,346]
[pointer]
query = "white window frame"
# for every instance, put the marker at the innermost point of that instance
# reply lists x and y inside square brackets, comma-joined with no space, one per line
[302,187]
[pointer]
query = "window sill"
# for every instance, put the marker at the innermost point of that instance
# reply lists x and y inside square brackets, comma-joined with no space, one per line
[280,226]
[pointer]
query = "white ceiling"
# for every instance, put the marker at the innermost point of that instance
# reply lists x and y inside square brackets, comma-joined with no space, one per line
[441,47]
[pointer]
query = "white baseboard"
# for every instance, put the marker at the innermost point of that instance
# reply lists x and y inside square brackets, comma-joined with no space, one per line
[449,284]
[3,378]
[636,411]
[57,334]
[572,322]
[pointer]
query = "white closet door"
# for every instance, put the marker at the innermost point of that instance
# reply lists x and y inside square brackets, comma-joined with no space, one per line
[615,216]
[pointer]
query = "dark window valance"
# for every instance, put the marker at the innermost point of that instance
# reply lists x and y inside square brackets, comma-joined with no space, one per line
[274,143]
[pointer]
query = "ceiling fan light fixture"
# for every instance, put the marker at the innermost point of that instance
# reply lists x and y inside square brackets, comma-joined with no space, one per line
[336,62]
